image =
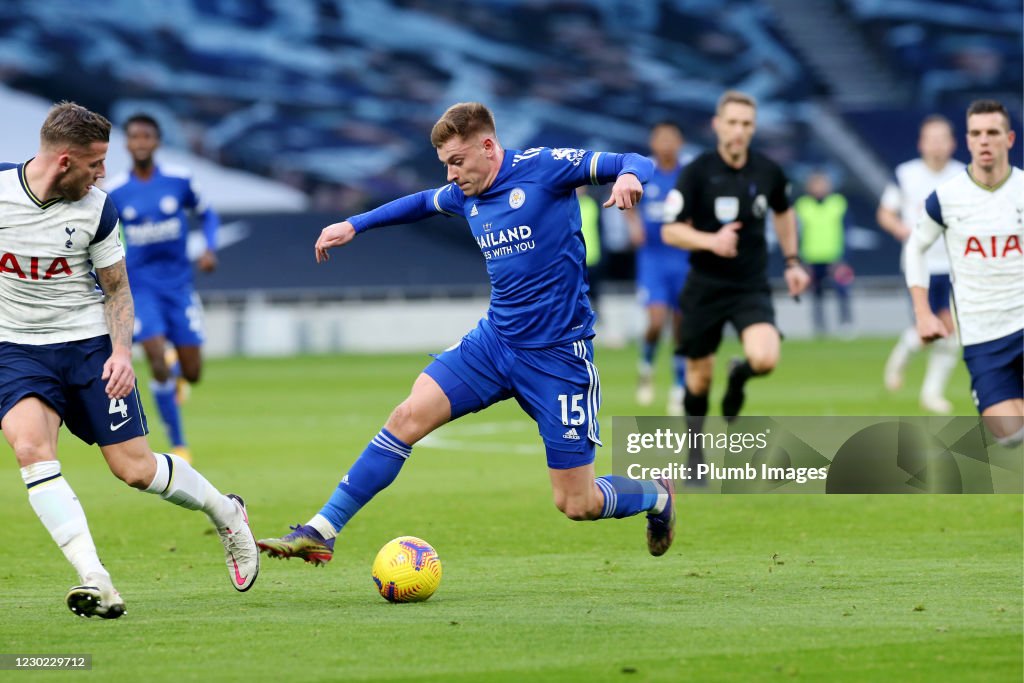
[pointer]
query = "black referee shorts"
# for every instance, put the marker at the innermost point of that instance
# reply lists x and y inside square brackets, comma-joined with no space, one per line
[707,306]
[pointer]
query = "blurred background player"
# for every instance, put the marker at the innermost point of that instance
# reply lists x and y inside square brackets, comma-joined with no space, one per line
[65,354]
[821,214]
[901,206]
[718,211]
[660,269]
[153,202]
[533,345]
[980,215]
[590,226]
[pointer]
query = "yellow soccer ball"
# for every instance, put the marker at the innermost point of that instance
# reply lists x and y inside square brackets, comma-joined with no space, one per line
[407,569]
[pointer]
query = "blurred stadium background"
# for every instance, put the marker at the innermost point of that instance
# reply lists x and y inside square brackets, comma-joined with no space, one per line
[294,113]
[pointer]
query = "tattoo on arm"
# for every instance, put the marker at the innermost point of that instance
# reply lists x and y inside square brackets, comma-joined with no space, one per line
[118,307]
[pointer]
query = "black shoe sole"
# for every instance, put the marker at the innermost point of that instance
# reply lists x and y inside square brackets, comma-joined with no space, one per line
[85,603]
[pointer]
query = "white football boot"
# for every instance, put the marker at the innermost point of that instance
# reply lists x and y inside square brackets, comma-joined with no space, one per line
[240,551]
[96,597]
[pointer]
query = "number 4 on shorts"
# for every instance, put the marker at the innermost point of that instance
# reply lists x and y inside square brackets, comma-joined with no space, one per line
[118,407]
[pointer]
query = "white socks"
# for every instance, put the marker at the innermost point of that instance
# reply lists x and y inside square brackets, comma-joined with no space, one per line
[323,526]
[911,341]
[941,362]
[661,501]
[60,512]
[1011,440]
[177,482]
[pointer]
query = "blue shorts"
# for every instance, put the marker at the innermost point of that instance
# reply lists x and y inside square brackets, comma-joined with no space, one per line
[938,292]
[66,376]
[997,369]
[176,314]
[557,386]
[660,277]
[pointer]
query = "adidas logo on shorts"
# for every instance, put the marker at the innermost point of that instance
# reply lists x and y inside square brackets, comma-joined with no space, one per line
[571,434]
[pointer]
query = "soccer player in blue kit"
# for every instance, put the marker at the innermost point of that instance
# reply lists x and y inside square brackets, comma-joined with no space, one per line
[152,201]
[534,344]
[660,269]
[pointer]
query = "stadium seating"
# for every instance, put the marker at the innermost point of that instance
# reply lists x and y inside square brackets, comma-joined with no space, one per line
[337,98]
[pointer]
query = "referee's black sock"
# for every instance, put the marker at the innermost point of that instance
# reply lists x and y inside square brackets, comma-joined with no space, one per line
[696,407]
[740,373]
[732,402]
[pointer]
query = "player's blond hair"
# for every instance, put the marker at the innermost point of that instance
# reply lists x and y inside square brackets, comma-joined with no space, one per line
[735,96]
[70,123]
[463,120]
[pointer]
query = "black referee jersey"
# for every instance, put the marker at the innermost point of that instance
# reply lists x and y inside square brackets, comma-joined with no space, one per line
[713,194]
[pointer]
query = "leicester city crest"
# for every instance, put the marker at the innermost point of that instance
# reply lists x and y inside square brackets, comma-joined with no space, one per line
[516,198]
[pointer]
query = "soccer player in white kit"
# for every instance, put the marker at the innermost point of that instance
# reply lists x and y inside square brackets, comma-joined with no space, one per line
[900,208]
[981,214]
[65,354]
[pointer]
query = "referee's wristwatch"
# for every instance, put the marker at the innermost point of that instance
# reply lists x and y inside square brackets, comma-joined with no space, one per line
[793,260]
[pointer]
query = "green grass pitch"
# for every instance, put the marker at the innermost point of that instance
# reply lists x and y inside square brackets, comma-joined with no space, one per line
[756,588]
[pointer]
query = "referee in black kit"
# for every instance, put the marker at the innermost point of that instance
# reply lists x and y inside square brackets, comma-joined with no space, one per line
[717,211]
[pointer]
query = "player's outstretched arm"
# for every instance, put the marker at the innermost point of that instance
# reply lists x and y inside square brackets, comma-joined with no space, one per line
[626,192]
[445,200]
[334,235]
[119,311]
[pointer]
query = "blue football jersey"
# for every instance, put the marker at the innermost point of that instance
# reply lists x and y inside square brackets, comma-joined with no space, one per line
[155,221]
[527,225]
[652,207]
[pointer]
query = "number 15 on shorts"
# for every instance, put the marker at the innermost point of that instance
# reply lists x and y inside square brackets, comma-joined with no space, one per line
[572,409]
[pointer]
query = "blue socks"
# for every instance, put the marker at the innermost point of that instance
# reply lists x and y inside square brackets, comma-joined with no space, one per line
[381,461]
[372,472]
[679,365]
[164,393]
[624,497]
[647,351]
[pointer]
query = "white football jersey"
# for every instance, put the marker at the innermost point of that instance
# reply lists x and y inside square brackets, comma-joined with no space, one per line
[48,250]
[984,231]
[914,182]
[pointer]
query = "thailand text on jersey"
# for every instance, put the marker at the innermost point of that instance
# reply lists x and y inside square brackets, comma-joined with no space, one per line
[984,232]
[48,250]
[154,215]
[914,182]
[710,194]
[527,225]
